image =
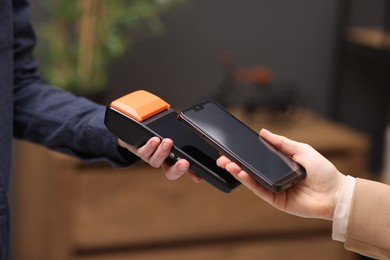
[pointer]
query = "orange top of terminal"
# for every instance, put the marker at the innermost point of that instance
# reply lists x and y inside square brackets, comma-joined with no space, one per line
[140,105]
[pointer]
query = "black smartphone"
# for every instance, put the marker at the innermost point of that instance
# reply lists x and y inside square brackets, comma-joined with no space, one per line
[187,144]
[241,144]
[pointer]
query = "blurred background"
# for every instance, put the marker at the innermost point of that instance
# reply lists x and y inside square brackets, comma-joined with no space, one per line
[315,71]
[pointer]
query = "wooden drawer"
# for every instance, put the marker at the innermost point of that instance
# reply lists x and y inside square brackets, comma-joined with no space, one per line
[138,205]
[319,248]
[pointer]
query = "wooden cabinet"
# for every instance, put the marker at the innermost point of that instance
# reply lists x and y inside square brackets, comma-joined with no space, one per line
[65,209]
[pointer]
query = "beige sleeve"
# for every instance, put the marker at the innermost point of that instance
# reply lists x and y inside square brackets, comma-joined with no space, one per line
[368,231]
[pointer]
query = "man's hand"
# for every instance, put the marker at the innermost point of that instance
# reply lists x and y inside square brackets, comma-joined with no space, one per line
[155,152]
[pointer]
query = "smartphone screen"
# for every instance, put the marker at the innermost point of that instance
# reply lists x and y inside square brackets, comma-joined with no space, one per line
[187,141]
[243,145]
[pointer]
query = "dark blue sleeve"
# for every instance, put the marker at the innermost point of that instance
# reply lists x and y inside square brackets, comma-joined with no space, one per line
[55,118]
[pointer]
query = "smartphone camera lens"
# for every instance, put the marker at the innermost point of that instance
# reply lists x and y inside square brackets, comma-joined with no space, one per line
[197,108]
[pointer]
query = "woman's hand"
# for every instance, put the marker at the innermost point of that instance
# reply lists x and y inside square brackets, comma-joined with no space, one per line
[315,196]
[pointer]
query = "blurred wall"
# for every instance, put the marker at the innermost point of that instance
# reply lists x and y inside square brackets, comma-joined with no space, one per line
[293,38]
[296,39]
[366,12]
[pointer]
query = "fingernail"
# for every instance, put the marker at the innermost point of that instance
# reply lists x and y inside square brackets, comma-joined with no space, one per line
[183,167]
[264,130]
[166,146]
[155,143]
[240,175]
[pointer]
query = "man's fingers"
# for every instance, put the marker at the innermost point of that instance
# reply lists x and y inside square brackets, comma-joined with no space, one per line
[147,150]
[173,172]
[222,161]
[162,152]
[154,152]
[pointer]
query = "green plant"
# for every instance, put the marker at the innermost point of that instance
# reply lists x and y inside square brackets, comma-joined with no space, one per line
[81,37]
